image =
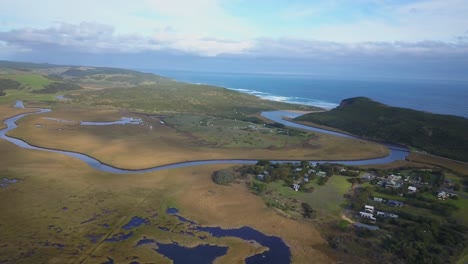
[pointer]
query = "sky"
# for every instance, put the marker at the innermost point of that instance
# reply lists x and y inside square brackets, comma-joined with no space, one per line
[388,38]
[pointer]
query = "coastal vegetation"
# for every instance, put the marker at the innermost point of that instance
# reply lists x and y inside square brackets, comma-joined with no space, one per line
[65,211]
[441,135]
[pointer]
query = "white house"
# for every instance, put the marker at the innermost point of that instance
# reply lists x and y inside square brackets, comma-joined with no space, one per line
[442,195]
[412,189]
[296,187]
[377,199]
[368,216]
[369,208]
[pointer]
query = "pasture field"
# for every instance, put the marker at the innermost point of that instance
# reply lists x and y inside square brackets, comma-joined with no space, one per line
[28,81]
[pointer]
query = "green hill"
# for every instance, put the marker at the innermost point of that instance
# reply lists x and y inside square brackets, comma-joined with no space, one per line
[129,89]
[442,135]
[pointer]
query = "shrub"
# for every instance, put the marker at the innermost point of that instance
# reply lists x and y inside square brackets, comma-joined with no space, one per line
[223,177]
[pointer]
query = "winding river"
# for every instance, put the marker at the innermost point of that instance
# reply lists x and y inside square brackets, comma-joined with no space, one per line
[396,152]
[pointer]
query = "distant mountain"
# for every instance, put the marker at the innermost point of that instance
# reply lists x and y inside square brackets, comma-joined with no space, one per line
[442,135]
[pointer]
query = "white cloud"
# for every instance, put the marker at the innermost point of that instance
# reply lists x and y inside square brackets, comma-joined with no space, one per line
[207,28]
[89,37]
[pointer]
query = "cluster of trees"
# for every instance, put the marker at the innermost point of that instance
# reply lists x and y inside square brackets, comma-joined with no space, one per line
[416,237]
[427,240]
[6,84]
[442,135]
[56,87]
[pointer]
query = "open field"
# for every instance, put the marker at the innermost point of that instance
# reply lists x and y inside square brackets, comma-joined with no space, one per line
[326,200]
[58,204]
[181,138]
[28,81]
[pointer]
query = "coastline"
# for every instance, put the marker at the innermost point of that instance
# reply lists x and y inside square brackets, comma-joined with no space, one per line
[330,91]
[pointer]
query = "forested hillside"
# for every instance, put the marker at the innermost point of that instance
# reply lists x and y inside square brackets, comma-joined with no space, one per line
[442,135]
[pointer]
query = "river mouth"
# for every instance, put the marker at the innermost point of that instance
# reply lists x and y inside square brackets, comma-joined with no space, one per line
[396,153]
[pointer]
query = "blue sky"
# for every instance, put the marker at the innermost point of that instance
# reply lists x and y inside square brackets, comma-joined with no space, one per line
[292,35]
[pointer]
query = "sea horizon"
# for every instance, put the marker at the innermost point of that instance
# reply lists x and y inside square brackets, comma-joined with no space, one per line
[429,95]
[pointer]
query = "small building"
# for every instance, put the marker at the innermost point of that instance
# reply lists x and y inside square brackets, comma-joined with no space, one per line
[395,203]
[367,176]
[306,179]
[322,174]
[260,177]
[412,189]
[369,208]
[296,187]
[393,215]
[368,216]
[392,184]
[379,213]
[378,199]
[298,169]
[442,195]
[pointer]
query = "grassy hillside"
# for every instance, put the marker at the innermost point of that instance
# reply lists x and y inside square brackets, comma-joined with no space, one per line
[170,96]
[121,88]
[441,135]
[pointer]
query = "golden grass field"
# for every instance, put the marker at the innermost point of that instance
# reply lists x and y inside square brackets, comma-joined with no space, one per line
[136,146]
[33,218]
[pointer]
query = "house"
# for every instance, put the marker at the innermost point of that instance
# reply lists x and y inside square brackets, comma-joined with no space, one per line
[296,187]
[442,195]
[306,179]
[393,215]
[392,182]
[378,199]
[367,177]
[379,213]
[368,216]
[369,208]
[260,177]
[395,203]
[412,189]
[298,170]
[322,174]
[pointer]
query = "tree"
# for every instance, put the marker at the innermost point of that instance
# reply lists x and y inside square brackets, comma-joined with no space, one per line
[307,211]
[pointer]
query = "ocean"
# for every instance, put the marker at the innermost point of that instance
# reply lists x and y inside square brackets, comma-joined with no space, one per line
[436,96]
